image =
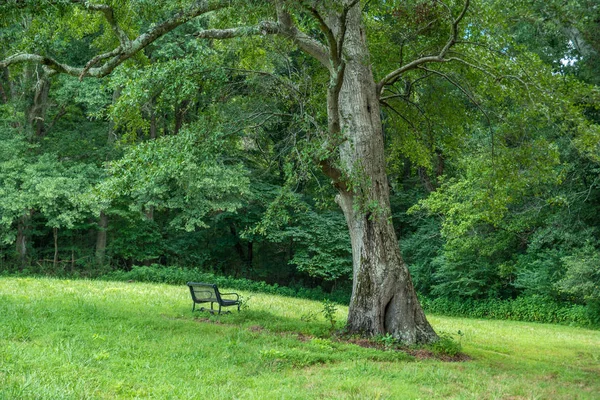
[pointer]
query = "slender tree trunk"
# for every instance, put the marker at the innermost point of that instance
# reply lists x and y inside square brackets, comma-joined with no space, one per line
[101,235]
[101,239]
[180,112]
[3,94]
[239,249]
[150,217]
[22,237]
[383,297]
[55,261]
[250,257]
[111,124]
[37,112]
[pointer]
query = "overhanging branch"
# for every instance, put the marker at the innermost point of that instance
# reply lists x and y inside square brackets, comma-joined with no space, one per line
[263,28]
[123,52]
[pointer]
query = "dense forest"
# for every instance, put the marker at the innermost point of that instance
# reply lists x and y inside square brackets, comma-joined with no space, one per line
[200,153]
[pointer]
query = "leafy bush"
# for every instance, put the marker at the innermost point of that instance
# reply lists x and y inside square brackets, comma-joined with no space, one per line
[328,311]
[531,308]
[582,278]
[447,345]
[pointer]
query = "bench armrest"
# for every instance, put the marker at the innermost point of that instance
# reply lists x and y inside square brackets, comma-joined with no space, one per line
[231,294]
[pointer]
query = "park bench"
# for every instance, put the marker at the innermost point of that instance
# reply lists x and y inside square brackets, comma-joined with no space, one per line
[209,293]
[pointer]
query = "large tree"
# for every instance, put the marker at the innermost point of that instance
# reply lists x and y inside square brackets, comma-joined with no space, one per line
[351,146]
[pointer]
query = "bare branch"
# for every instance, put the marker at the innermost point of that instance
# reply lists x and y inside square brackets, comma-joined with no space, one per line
[128,48]
[394,75]
[454,33]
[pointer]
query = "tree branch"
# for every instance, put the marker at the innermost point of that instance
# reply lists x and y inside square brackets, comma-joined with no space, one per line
[305,42]
[118,56]
[439,58]
[462,89]
[333,43]
[97,59]
[344,23]
[263,28]
[110,18]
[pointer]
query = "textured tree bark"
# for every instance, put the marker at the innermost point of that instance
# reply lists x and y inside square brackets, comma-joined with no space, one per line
[101,239]
[383,297]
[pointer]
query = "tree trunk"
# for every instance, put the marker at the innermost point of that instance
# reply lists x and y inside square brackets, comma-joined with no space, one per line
[150,217]
[22,238]
[383,297]
[180,112]
[55,261]
[111,124]
[101,239]
[37,112]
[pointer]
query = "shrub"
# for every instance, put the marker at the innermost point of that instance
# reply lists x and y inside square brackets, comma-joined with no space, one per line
[446,345]
[530,308]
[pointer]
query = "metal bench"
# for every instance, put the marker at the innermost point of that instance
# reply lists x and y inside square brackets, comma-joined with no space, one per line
[209,293]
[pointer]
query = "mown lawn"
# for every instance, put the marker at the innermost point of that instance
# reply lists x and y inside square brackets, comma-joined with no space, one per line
[63,339]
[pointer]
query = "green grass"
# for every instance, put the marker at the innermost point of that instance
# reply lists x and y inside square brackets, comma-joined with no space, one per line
[63,339]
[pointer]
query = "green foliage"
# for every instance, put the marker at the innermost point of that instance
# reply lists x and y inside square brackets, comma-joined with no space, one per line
[532,308]
[329,311]
[309,316]
[187,173]
[447,345]
[388,341]
[323,245]
[582,278]
[244,300]
[423,252]
[43,183]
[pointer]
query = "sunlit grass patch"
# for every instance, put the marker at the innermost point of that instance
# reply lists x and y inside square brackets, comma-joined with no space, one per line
[64,339]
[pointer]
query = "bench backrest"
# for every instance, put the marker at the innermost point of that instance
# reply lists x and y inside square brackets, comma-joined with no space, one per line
[204,292]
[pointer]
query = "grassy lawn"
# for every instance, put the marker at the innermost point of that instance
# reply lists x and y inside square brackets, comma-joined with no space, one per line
[64,339]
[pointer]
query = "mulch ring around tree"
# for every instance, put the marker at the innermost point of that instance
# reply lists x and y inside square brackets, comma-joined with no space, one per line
[419,353]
